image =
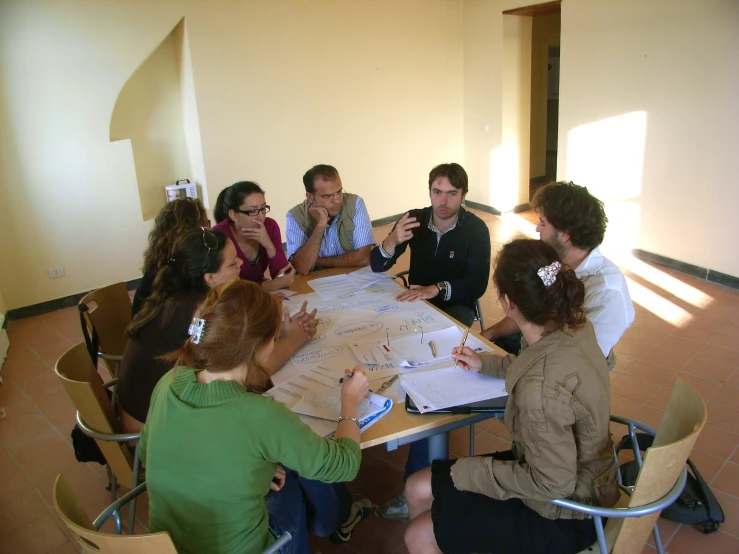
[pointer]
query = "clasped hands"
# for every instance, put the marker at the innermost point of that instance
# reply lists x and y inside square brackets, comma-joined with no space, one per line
[303,321]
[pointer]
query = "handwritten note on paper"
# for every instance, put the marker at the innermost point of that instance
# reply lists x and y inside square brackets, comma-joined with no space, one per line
[333,287]
[443,388]
[365,277]
[415,350]
[371,352]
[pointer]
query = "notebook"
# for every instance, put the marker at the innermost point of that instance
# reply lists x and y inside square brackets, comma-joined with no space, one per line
[491,405]
[328,407]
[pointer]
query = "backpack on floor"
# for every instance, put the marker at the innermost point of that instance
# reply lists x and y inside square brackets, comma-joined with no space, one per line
[696,505]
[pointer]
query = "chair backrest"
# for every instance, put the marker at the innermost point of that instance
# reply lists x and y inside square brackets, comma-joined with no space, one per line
[84,386]
[71,511]
[109,313]
[681,424]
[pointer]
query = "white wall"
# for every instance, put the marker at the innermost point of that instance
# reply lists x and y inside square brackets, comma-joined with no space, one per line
[375,88]
[648,121]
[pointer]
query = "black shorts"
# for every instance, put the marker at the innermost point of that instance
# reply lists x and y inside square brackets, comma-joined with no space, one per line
[467,522]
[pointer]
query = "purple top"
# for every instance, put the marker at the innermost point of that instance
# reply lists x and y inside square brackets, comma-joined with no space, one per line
[256,272]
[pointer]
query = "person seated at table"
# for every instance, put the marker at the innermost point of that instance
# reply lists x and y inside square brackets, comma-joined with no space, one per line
[202,259]
[450,248]
[241,212]
[574,222]
[558,417]
[449,267]
[212,449]
[174,220]
[330,228]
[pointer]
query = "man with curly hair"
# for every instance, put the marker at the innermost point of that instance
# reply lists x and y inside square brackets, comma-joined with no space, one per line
[574,222]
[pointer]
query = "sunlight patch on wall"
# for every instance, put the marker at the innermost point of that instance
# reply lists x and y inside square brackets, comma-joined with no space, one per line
[520,224]
[659,306]
[607,156]
[504,166]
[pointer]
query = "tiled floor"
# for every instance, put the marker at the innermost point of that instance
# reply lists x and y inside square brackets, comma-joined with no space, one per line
[699,343]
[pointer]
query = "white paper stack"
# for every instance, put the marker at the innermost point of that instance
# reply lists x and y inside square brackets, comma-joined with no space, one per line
[443,388]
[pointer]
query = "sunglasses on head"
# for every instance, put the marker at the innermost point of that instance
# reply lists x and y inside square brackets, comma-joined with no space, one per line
[210,241]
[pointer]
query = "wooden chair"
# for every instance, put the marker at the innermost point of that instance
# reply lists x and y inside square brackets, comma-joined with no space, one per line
[86,533]
[478,309]
[104,315]
[660,481]
[97,419]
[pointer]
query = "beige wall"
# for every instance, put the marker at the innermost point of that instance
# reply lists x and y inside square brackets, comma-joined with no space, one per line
[544,33]
[375,88]
[382,89]
[2,305]
[648,120]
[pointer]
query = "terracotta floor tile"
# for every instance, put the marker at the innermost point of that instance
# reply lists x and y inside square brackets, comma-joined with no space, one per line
[727,395]
[44,456]
[459,440]
[629,387]
[47,392]
[708,323]
[25,426]
[682,345]
[67,322]
[395,457]
[667,530]
[660,398]
[708,368]
[705,387]
[735,457]
[648,371]
[23,364]
[692,332]
[496,427]
[632,347]
[717,442]
[723,417]
[726,341]
[486,443]
[377,480]
[731,328]
[707,464]
[12,480]
[727,479]
[730,506]
[689,540]
[19,510]
[623,362]
[324,546]
[667,358]
[721,355]
[38,537]
[645,334]
[632,409]
[46,341]
[378,536]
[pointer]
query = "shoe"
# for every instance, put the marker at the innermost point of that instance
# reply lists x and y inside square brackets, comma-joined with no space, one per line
[360,510]
[396,508]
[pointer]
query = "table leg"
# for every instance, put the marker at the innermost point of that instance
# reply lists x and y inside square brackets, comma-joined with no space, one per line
[438,447]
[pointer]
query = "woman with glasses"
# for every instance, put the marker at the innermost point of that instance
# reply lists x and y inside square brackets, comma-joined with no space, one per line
[241,213]
[213,450]
[174,220]
[201,260]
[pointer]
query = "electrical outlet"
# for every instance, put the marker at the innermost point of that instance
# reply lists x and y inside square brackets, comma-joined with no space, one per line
[55,272]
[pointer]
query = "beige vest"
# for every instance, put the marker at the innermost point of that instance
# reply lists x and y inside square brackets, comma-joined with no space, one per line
[344,226]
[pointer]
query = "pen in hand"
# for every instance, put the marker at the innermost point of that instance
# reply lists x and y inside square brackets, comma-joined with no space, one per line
[346,376]
[432,346]
[461,344]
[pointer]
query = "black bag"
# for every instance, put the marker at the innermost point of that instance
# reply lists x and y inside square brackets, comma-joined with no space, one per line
[696,505]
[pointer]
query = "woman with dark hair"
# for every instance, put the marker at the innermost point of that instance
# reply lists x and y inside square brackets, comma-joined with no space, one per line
[174,220]
[241,212]
[201,260]
[558,417]
[212,449]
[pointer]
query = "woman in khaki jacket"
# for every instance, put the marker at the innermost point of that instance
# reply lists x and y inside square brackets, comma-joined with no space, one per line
[557,414]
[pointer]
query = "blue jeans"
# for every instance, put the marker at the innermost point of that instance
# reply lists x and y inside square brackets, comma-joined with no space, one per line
[305,506]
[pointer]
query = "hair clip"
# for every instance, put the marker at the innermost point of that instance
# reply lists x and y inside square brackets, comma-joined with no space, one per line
[171,261]
[196,329]
[548,273]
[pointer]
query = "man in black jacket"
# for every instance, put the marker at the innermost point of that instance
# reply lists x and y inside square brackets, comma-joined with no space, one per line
[450,248]
[450,267]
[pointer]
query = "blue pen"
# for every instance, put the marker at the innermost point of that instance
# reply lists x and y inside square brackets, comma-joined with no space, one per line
[347,375]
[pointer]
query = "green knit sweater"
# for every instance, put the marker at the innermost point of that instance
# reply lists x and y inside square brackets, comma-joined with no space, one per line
[210,453]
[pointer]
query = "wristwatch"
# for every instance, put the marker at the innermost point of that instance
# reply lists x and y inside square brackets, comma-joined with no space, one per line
[442,289]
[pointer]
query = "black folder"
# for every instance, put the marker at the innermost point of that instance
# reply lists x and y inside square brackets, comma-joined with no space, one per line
[492,405]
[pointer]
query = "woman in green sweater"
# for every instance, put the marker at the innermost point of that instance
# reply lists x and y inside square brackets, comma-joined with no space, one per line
[211,448]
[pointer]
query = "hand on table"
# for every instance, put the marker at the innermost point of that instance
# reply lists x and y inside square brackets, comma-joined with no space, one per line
[286,280]
[303,320]
[467,359]
[417,292]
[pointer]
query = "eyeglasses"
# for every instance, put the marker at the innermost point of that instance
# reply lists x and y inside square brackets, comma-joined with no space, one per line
[336,194]
[251,213]
[210,241]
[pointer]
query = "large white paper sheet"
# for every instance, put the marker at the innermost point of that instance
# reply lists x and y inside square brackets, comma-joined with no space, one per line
[415,350]
[443,388]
